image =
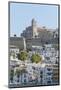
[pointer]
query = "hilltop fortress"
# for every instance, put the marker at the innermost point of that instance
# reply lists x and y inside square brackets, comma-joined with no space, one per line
[34,35]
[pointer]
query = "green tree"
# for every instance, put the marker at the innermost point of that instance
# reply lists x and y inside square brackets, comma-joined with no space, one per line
[23,55]
[36,58]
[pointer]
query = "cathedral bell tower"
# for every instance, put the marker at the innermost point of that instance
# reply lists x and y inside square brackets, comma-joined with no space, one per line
[34,28]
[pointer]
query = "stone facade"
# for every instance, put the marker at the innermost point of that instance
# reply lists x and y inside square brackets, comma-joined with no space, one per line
[34,35]
[35,31]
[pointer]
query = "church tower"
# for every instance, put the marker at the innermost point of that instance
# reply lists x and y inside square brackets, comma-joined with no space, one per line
[34,28]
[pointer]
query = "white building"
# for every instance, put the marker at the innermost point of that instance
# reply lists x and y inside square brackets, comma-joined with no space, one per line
[13,52]
[36,74]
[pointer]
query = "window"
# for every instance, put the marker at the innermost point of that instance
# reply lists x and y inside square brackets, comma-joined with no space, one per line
[18,80]
[49,69]
[11,78]
[46,42]
[47,58]
[49,73]
[49,82]
[24,75]
[24,80]
[18,75]
[41,72]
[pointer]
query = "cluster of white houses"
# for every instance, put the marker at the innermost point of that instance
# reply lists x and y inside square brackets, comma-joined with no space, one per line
[44,73]
[35,40]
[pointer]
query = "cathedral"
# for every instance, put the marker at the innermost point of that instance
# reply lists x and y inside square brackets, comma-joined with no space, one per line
[34,31]
[35,35]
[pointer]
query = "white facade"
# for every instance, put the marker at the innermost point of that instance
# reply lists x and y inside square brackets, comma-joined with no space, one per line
[13,52]
[41,73]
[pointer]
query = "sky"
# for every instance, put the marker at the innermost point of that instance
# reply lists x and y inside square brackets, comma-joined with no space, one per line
[21,15]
